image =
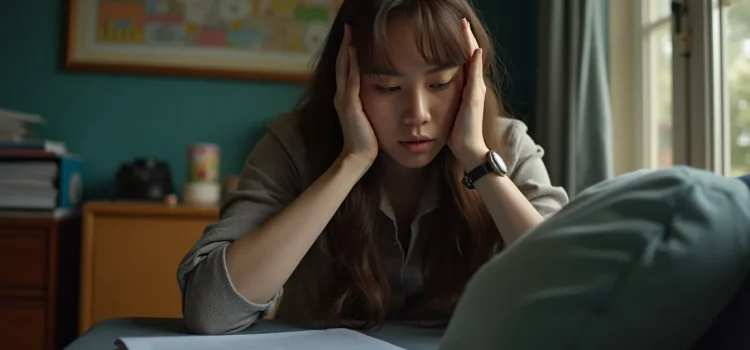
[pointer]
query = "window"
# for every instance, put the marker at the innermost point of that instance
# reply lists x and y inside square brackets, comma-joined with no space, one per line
[694,83]
[680,84]
[656,107]
[735,48]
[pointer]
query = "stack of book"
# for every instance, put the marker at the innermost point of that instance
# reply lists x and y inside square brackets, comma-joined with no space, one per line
[37,176]
[28,184]
[17,133]
[15,126]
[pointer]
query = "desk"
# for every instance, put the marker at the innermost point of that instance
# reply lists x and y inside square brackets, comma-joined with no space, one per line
[127,245]
[103,334]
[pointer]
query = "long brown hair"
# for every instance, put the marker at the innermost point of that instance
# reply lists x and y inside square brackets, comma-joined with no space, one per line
[357,292]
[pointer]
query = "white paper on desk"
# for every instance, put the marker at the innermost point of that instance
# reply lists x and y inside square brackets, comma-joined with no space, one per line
[331,339]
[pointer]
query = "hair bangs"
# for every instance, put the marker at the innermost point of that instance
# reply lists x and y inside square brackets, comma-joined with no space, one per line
[437,35]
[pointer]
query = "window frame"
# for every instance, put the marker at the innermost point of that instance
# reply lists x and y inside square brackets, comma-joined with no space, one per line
[700,123]
[645,28]
[628,126]
[700,98]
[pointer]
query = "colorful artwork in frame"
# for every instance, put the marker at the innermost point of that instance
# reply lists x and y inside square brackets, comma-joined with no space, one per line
[250,39]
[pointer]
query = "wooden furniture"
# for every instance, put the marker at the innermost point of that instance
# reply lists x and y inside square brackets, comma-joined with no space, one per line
[38,281]
[129,257]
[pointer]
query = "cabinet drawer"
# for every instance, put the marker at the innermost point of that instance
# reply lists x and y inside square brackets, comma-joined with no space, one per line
[23,324]
[133,262]
[23,258]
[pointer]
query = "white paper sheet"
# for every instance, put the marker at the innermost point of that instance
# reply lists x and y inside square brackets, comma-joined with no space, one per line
[331,339]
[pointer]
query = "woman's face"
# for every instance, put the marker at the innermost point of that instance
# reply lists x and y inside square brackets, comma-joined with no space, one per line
[412,108]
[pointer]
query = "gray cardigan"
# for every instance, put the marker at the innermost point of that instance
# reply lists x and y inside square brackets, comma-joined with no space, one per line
[272,177]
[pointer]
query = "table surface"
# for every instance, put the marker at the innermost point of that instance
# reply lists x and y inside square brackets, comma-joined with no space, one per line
[102,335]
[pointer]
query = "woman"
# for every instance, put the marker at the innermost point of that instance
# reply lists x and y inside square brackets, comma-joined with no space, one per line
[358,203]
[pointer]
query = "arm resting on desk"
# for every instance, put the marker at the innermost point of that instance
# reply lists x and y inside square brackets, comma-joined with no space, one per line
[211,304]
[234,274]
[270,181]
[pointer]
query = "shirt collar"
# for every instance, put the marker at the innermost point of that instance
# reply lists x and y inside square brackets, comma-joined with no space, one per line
[430,198]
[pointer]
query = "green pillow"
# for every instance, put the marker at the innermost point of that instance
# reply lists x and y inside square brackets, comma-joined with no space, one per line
[643,261]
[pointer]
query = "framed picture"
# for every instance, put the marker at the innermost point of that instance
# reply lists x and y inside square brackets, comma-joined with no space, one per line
[246,39]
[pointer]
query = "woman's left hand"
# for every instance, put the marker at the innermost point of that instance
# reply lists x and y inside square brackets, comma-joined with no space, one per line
[467,140]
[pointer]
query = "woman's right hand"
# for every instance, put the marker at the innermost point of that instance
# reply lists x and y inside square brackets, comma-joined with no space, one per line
[359,138]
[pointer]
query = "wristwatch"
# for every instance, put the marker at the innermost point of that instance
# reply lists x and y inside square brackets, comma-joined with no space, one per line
[494,164]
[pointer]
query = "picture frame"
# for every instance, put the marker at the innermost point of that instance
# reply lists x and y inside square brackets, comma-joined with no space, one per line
[273,40]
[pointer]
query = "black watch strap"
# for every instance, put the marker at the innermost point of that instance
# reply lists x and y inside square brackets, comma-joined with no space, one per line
[493,164]
[476,174]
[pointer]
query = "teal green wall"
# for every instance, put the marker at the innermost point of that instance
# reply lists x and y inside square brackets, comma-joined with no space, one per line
[113,118]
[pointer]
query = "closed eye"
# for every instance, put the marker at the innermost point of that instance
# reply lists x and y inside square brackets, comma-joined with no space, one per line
[440,86]
[387,88]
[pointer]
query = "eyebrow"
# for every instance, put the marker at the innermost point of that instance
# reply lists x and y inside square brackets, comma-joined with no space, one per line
[394,73]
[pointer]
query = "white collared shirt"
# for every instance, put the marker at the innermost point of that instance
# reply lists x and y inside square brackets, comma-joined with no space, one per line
[272,177]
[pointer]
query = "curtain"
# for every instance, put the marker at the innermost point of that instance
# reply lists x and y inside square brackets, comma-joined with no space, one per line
[573,108]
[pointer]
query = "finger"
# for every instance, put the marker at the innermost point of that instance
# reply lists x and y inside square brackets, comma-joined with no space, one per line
[476,87]
[476,65]
[352,87]
[469,35]
[342,61]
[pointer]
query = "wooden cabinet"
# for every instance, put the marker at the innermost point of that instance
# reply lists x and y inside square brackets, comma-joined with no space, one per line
[129,257]
[38,282]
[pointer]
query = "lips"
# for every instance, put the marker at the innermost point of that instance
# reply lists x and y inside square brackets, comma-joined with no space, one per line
[418,139]
[417,145]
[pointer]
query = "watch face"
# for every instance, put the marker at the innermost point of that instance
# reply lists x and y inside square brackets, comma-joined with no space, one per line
[497,163]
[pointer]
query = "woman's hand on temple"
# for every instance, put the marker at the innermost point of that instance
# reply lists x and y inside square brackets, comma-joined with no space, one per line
[467,140]
[359,138]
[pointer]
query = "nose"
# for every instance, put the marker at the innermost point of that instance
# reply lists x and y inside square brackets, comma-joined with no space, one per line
[418,112]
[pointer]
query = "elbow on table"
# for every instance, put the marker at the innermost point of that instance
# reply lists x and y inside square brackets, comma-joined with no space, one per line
[201,318]
[196,325]
[208,309]
[210,303]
